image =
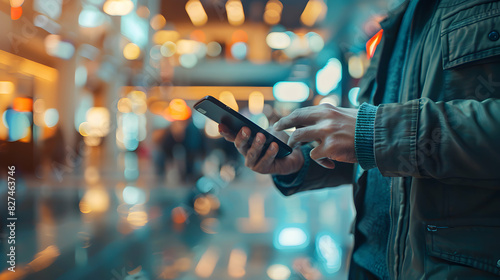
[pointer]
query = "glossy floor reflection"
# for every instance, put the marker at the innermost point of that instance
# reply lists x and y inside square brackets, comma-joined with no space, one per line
[94,223]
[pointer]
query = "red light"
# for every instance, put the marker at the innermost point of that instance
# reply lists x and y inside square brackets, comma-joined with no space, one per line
[23,104]
[372,44]
[16,12]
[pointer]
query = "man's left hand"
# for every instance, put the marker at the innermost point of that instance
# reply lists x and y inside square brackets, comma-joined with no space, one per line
[331,127]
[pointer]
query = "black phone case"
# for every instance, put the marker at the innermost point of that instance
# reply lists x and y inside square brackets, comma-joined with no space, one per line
[220,113]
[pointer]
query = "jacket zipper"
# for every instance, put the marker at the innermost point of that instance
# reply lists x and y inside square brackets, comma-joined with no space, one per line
[391,230]
[433,228]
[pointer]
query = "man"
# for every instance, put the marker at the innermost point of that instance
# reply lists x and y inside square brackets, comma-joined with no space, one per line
[426,154]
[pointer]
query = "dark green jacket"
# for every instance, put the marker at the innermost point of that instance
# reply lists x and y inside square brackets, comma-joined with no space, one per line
[444,137]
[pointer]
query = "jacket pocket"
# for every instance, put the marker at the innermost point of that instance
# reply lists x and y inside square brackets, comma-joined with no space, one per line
[471,39]
[476,247]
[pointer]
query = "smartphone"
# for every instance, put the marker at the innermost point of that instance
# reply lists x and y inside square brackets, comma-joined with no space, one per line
[220,113]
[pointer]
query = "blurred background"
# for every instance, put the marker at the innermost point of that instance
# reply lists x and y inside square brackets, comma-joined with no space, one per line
[118,178]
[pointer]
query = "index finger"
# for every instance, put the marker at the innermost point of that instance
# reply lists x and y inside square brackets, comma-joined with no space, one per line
[298,118]
[306,134]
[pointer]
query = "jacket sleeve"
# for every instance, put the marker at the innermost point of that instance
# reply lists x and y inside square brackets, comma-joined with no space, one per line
[456,141]
[313,176]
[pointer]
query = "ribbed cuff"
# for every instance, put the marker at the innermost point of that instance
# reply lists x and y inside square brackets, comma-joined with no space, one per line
[295,179]
[363,136]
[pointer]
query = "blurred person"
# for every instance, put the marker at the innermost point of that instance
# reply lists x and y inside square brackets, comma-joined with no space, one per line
[182,144]
[423,146]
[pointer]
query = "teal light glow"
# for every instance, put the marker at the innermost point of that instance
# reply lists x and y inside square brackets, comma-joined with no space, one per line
[329,252]
[130,127]
[239,50]
[18,124]
[86,102]
[133,195]
[353,96]
[52,8]
[316,42]
[131,171]
[135,29]
[90,16]
[291,91]
[51,117]
[291,238]
[328,77]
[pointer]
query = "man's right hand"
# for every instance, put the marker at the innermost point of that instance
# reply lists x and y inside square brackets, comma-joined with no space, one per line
[268,164]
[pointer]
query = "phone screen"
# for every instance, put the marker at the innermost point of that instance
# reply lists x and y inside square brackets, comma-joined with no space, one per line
[220,113]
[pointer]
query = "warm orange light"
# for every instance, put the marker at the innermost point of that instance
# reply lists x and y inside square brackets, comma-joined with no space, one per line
[256,102]
[227,98]
[163,36]
[131,51]
[6,87]
[235,13]
[158,22]
[16,12]
[45,258]
[372,44]
[177,111]
[16,3]
[118,7]
[137,218]
[237,262]
[207,263]
[202,206]
[157,107]
[272,14]
[239,36]
[198,35]
[314,11]
[23,104]
[179,215]
[196,12]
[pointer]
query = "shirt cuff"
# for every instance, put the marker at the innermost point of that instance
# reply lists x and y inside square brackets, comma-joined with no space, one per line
[364,134]
[295,179]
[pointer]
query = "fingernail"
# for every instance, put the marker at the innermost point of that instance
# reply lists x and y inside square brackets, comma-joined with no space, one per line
[275,125]
[272,148]
[244,134]
[259,141]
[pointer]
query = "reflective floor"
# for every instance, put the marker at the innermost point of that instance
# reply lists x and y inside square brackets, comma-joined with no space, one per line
[121,221]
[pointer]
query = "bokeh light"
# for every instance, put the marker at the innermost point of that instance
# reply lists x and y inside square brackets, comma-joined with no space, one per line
[328,78]
[291,91]
[158,22]
[51,117]
[118,7]
[278,40]
[7,87]
[196,12]
[239,50]
[131,51]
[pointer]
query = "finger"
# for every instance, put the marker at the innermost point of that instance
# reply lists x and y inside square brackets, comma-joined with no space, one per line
[265,163]
[241,140]
[319,155]
[300,117]
[326,163]
[255,150]
[226,133]
[306,134]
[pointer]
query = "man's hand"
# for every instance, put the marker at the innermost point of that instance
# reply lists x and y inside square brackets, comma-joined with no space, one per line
[268,164]
[332,127]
